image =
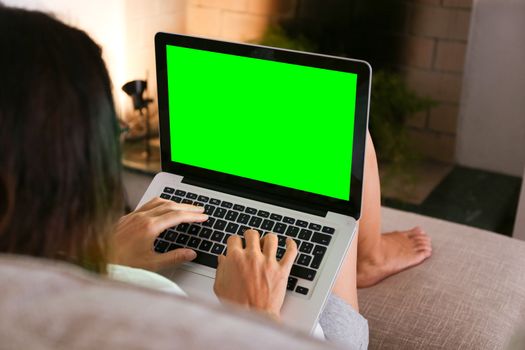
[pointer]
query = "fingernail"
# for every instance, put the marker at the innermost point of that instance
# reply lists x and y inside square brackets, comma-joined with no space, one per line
[190,255]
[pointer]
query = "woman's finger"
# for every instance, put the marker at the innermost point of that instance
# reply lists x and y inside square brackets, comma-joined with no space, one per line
[172,206]
[252,240]
[290,254]
[175,257]
[270,245]
[153,203]
[234,242]
[175,217]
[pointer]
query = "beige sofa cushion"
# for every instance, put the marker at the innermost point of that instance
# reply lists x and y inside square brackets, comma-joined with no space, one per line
[48,305]
[469,295]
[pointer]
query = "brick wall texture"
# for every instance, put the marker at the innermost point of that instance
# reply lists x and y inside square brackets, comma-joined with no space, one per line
[435,38]
[235,20]
[435,41]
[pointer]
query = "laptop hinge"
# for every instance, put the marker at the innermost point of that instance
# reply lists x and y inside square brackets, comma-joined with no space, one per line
[274,200]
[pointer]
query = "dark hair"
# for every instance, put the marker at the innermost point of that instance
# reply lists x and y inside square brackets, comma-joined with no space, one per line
[60,186]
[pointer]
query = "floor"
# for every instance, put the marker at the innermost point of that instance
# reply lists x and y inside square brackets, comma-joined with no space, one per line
[472,197]
[416,184]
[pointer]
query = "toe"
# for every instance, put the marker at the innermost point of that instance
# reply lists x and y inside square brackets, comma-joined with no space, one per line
[416,231]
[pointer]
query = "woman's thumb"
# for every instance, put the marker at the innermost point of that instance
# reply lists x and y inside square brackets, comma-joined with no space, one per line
[178,256]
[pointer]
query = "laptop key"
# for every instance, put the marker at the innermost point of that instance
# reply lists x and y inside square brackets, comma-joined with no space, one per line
[191,195]
[316,261]
[319,250]
[205,245]
[267,225]
[279,228]
[281,241]
[205,232]
[217,236]
[238,207]
[292,231]
[306,247]
[292,281]
[243,218]
[301,223]
[161,246]
[169,190]
[232,227]
[170,236]
[251,211]
[219,225]
[280,253]
[276,217]
[194,230]
[198,204]
[173,246]
[217,248]
[165,196]
[255,222]
[209,209]
[227,205]
[215,201]
[187,201]
[231,215]
[163,234]
[203,199]
[304,259]
[176,199]
[183,227]
[241,230]
[305,234]
[180,193]
[219,213]
[321,238]
[289,220]
[328,230]
[194,242]
[206,259]
[209,222]
[263,214]
[301,290]
[314,227]
[182,239]
[225,239]
[303,272]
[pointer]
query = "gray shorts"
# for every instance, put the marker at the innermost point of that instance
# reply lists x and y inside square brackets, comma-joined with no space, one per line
[343,325]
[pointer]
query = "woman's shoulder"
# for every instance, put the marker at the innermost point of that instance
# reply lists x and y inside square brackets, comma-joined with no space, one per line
[143,278]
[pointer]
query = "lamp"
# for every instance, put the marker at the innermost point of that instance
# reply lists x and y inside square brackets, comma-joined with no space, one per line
[135,89]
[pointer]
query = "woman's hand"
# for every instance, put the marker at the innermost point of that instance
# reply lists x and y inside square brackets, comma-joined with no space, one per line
[132,243]
[253,277]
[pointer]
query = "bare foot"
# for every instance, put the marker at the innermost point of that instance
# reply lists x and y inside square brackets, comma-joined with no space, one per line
[396,252]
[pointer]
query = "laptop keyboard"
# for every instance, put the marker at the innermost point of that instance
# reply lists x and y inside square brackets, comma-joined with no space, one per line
[209,238]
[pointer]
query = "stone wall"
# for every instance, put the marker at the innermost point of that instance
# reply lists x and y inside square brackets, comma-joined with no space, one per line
[235,20]
[435,40]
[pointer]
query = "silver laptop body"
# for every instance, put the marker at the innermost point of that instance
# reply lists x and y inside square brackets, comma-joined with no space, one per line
[300,310]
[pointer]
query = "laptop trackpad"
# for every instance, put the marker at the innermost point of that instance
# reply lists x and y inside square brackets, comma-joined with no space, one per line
[194,284]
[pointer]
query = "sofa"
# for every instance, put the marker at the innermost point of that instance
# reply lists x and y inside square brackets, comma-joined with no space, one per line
[469,295]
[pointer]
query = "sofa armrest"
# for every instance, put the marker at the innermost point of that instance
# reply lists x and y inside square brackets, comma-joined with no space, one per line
[470,294]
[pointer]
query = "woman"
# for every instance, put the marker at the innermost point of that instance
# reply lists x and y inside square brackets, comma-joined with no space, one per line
[61,192]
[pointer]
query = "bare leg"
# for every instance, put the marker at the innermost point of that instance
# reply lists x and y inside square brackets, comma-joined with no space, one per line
[345,285]
[381,255]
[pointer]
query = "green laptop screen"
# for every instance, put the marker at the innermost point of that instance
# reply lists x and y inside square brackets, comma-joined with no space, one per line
[280,123]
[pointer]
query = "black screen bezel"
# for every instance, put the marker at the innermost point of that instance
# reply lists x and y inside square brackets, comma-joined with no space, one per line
[281,194]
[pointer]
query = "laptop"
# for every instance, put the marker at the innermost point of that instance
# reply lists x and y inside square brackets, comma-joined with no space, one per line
[262,138]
